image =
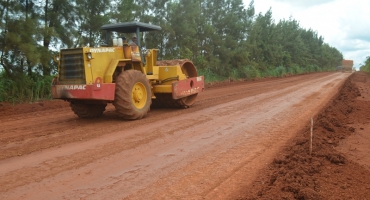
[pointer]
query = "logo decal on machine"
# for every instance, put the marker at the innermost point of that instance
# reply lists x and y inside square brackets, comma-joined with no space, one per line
[102,50]
[75,87]
[190,91]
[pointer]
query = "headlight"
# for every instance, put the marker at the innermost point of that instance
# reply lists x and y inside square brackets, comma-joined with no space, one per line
[89,55]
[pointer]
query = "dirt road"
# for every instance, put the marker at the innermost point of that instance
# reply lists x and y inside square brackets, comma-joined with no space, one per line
[208,151]
[339,165]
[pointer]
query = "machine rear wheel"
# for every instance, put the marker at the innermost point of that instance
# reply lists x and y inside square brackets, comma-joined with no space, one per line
[85,110]
[132,96]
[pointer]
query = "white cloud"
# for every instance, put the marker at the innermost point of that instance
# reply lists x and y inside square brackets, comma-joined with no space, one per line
[344,25]
[305,3]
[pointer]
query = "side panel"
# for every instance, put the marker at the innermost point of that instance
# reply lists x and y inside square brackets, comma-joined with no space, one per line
[168,73]
[97,91]
[108,74]
[101,60]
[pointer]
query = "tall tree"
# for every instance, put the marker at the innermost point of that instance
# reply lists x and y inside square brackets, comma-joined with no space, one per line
[91,15]
[220,36]
[260,40]
[122,11]
[160,16]
[18,48]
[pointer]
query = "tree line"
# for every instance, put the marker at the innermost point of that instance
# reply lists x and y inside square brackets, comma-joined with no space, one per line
[366,66]
[224,38]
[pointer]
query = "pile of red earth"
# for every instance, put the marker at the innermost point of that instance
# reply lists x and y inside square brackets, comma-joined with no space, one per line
[327,173]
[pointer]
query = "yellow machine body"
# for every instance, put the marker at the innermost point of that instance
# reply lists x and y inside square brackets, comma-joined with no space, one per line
[88,78]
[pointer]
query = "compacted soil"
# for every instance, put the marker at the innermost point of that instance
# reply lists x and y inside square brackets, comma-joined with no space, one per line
[241,140]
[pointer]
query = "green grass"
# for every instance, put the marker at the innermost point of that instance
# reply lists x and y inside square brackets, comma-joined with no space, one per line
[22,88]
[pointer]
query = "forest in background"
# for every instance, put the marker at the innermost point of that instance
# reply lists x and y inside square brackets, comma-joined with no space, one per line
[224,38]
[366,66]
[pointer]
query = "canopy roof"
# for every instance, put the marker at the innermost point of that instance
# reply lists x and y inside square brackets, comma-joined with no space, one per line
[130,27]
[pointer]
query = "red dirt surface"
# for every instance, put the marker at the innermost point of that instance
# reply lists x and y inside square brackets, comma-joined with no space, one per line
[339,167]
[241,140]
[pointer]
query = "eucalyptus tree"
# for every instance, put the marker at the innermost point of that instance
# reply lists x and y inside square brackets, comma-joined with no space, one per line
[261,34]
[56,26]
[366,66]
[330,57]
[143,9]
[225,26]
[182,38]
[236,33]
[122,11]
[313,44]
[160,15]
[19,37]
[90,16]
[293,47]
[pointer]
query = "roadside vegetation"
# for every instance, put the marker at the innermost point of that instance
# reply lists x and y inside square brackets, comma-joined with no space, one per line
[23,88]
[366,66]
[224,38]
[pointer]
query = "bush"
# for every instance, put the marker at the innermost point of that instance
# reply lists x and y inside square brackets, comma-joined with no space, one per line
[210,76]
[22,88]
[250,72]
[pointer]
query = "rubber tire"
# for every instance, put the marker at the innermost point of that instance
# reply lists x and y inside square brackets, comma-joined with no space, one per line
[85,110]
[124,100]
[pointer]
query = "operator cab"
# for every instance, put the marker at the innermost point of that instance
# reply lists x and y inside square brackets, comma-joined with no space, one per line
[129,27]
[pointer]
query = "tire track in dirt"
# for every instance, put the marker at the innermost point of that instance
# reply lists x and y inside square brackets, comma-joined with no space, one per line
[173,153]
[24,131]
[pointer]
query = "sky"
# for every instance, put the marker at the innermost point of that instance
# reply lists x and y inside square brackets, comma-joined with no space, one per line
[343,24]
